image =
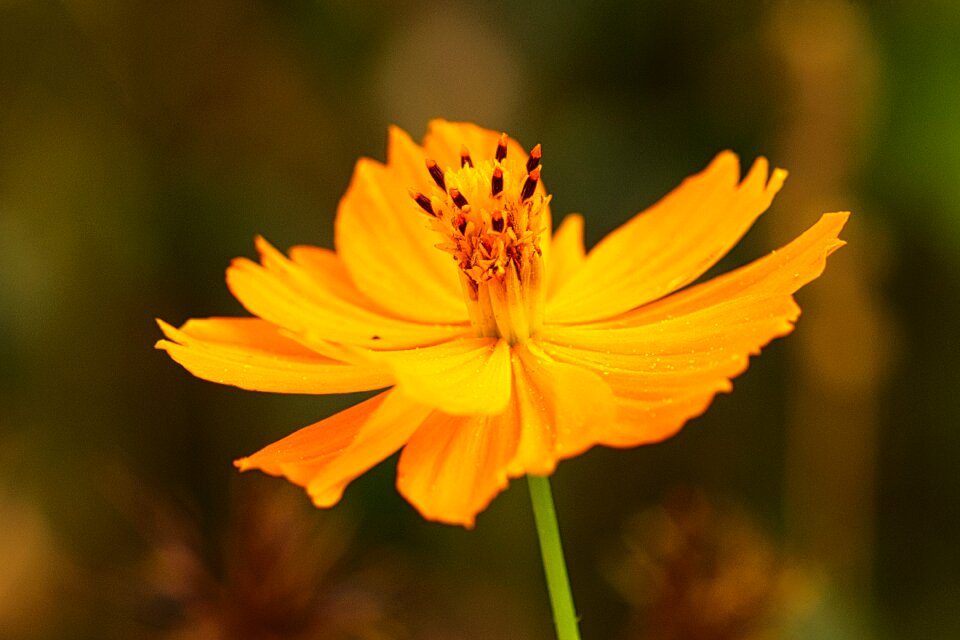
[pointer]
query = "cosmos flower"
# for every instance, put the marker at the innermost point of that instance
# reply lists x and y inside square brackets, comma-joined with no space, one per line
[501,347]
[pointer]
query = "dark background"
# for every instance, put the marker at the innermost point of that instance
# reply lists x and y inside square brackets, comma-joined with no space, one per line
[143,145]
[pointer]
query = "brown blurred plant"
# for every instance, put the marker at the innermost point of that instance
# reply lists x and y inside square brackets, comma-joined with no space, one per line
[691,569]
[279,571]
[35,573]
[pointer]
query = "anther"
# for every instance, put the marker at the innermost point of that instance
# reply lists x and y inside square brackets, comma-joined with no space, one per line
[496,221]
[534,160]
[423,201]
[436,174]
[458,198]
[460,222]
[496,183]
[502,148]
[531,184]
[465,160]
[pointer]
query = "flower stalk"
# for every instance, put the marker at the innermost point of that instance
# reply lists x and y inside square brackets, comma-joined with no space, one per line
[554,565]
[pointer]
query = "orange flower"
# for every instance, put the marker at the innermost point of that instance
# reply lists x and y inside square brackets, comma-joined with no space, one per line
[519,351]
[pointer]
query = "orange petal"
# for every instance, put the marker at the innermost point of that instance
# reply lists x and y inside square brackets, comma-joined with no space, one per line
[782,271]
[387,246]
[567,254]
[462,377]
[563,410]
[667,372]
[289,295]
[737,321]
[669,245]
[251,354]
[663,389]
[326,456]
[453,466]
[646,421]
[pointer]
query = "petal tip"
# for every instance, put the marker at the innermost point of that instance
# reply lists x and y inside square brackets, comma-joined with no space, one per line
[467,521]
[265,249]
[172,333]
[841,217]
[325,497]
[777,178]
[164,325]
[725,167]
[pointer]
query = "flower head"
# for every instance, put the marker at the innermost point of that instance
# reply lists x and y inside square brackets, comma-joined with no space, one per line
[502,348]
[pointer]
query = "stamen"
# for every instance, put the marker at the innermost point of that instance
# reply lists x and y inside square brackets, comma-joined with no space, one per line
[458,198]
[423,201]
[502,148]
[436,174]
[534,160]
[465,160]
[530,185]
[496,221]
[460,222]
[496,183]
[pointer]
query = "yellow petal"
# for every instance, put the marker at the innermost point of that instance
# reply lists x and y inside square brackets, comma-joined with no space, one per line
[251,354]
[444,140]
[669,245]
[567,254]
[407,161]
[453,466]
[666,372]
[286,294]
[563,410]
[252,333]
[326,456]
[387,246]
[464,376]
[323,269]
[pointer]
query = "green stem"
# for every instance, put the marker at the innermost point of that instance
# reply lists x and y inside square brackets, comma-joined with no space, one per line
[561,599]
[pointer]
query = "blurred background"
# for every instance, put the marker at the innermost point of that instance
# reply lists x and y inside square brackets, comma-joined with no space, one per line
[143,145]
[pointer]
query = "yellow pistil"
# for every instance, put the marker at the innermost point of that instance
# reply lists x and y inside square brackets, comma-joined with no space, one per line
[490,215]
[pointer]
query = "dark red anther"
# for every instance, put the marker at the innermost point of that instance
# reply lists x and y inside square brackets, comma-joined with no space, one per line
[496,221]
[460,222]
[423,201]
[496,183]
[465,160]
[534,160]
[531,184]
[436,174]
[501,148]
[458,198]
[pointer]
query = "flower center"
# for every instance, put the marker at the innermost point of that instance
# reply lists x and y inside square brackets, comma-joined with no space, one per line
[490,215]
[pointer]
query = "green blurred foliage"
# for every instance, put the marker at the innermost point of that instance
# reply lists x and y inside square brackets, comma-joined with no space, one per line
[143,146]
